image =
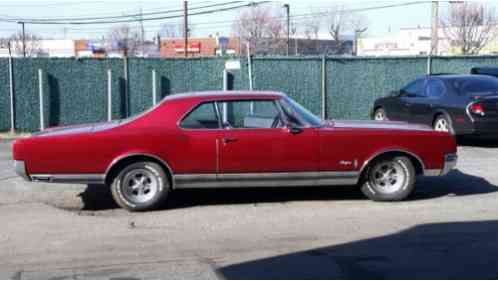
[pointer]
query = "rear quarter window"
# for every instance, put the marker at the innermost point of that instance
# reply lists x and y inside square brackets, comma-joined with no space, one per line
[203,116]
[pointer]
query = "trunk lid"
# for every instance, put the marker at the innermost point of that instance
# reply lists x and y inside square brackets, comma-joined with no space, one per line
[77,129]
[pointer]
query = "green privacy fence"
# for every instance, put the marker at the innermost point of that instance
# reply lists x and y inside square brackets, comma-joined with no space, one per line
[76,90]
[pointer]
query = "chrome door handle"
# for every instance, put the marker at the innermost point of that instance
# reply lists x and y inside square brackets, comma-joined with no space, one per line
[228,140]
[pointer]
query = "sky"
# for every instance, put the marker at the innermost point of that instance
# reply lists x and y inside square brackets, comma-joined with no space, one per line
[380,21]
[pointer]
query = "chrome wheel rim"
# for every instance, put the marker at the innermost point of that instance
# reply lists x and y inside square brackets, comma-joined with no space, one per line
[379,115]
[140,185]
[388,177]
[441,125]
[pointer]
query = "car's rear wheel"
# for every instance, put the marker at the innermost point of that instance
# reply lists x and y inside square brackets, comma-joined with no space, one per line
[140,186]
[389,179]
[443,124]
[379,114]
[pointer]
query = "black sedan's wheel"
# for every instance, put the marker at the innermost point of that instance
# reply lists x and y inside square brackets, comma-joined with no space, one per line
[389,179]
[140,186]
[443,124]
[379,114]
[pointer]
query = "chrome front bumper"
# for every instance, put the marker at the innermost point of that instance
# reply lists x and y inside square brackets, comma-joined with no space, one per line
[20,169]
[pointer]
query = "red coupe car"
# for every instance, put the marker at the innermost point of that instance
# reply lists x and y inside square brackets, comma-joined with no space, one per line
[235,139]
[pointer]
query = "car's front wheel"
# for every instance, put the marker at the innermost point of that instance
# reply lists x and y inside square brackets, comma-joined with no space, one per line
[379,114]
[140,186]
[389,179]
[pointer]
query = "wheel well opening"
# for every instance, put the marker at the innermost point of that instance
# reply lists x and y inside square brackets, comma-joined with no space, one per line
[122,163]
[417,165]
[375,109]
[435,117]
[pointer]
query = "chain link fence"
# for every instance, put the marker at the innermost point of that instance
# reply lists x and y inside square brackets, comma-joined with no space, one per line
[77,90]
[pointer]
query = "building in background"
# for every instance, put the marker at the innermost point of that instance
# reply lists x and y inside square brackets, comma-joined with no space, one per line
[199,47]
[412,42]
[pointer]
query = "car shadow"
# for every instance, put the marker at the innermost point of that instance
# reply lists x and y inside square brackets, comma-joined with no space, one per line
[456,183]
[474,141]
[453,250]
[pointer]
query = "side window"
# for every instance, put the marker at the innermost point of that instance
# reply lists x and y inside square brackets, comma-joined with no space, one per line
[202,117]
[413,89]
[435,89]
[250,114]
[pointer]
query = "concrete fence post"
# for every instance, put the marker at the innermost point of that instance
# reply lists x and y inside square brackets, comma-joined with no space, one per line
[154,87]
[225,80]
[11,89]
[249,65]
[109,95]
[40,92]
[126,85]
[429,64]
[324,88]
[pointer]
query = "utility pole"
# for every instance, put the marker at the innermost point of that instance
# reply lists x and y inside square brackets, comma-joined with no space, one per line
[23,38]
[185,27]
[357,34]
[434,28]
[142,32]
[287,11]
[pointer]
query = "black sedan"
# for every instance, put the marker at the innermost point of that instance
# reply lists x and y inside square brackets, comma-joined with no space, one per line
[458,104]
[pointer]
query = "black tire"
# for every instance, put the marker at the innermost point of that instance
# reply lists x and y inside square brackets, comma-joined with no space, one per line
[140,186]
[443,119]
[379,112]
[395,188]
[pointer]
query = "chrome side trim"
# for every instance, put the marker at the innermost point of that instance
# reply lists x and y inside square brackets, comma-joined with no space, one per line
[365,164]
[265,179]
[70,178]
[432,172]
[122,157]
[20,169]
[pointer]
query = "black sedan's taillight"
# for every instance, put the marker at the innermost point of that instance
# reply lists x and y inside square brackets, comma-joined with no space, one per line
[477,109]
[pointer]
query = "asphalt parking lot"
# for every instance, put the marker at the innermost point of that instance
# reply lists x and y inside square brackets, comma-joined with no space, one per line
[447,229]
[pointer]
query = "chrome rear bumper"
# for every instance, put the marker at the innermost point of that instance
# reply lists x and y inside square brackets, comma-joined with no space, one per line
[450,162]
[20,169]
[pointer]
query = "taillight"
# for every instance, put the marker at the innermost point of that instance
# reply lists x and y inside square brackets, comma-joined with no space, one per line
[477,108]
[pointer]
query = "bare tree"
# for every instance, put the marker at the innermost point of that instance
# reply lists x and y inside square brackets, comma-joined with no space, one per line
[312,26]
[469,26]
[125,39]
[263,28]
[340,22]
[33,44]
[170,30]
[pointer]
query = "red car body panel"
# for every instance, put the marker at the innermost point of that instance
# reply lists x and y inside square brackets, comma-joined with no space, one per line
[92,149]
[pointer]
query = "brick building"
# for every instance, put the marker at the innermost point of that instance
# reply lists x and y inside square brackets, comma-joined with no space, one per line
[199,47]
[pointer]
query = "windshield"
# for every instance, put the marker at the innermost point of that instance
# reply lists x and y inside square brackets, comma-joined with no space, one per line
[295,110]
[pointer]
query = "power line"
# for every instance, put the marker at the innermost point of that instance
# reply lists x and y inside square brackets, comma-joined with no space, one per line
[225,23]
[128,20]
[30,20]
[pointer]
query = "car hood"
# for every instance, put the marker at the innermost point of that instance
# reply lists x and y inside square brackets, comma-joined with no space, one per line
[77,129]
[381,125]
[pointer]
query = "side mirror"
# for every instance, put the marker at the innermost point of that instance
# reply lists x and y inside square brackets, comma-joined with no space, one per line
[394,93]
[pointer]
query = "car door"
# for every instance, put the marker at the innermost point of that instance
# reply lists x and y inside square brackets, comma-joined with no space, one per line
[410,95]
[200,133]
[256,140]
[422,107]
